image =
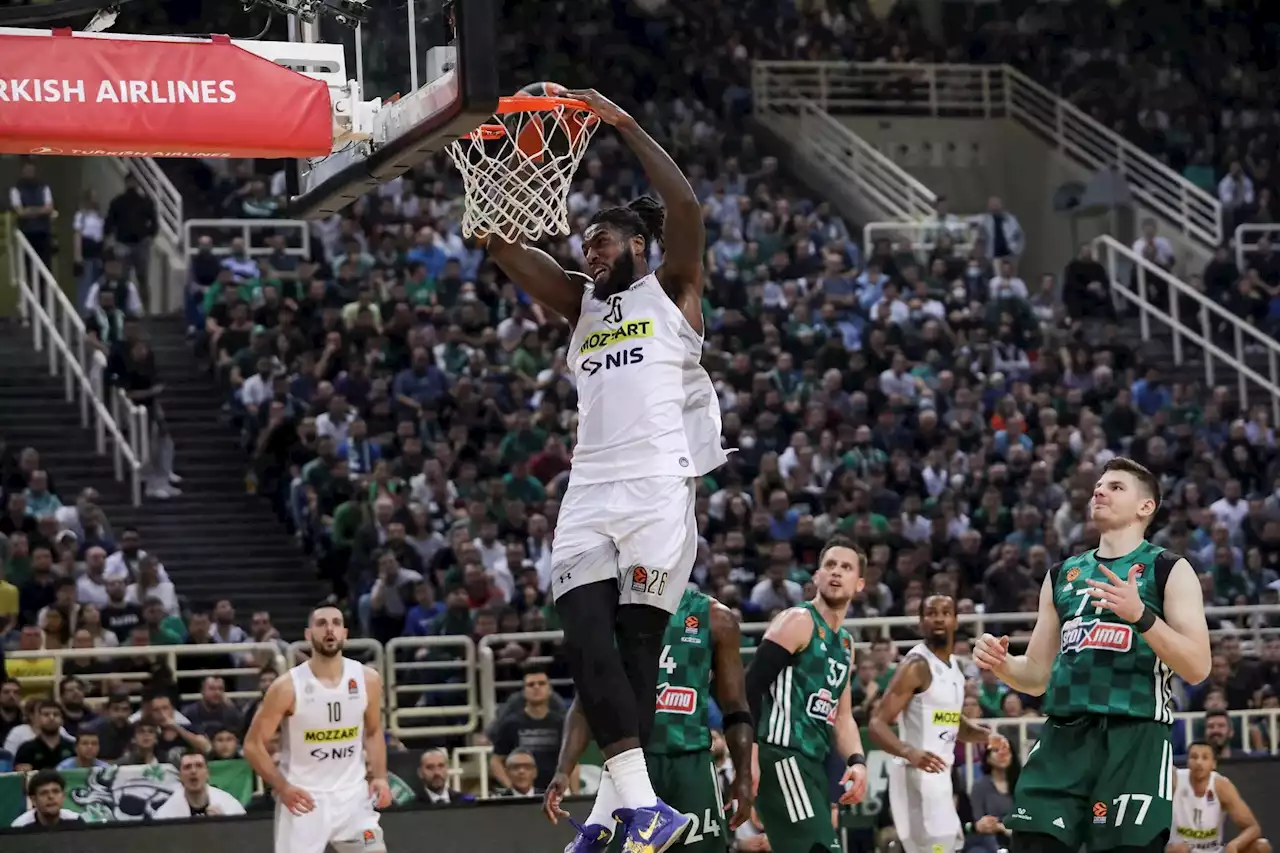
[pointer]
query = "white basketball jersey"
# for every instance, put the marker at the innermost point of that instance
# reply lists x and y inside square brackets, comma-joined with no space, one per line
[1197,820]
[931,719]
[322,741]
[646,407]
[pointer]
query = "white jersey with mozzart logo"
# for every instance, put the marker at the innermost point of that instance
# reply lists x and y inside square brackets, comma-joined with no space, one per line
[322,741]
[646,407]
[922,804]
[1197,820]
[931,719]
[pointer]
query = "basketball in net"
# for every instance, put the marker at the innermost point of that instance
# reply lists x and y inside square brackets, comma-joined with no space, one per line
[517,169]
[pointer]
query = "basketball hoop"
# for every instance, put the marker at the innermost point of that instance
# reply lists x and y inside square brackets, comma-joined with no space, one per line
[516,170]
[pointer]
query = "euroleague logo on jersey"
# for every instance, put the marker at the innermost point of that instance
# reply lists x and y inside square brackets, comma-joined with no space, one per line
[677,700]
[1078,635]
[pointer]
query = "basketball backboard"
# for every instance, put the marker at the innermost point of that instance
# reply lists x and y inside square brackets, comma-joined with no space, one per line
[456,97]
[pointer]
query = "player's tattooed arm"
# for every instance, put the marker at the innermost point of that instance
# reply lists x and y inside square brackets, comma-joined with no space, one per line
[731,694]
[541,276]
[684,235]
[910,678]
[1027,673]
[276,705]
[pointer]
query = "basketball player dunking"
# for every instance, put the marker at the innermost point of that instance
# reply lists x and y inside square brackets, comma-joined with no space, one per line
[329,714]
[648,426]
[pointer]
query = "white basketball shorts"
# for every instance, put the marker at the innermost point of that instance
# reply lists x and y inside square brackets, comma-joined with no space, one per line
[640,533]
[923,809]
[346,820]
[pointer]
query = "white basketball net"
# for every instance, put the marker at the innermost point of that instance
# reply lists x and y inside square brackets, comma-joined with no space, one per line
[516,171]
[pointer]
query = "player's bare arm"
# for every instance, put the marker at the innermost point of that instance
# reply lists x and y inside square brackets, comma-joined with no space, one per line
[541,276]
[1027,673]
[909,679]
[577,735]
[375,741]
[276,705]
[971,732]
[1181,638]
[731,694]
[849,744]
[1248,831]
[684,236]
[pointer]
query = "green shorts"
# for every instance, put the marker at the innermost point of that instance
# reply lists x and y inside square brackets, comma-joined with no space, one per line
[688,782]
[794,802]
[1104,782]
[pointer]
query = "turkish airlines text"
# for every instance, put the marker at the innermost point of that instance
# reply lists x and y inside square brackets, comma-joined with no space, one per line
[44,91]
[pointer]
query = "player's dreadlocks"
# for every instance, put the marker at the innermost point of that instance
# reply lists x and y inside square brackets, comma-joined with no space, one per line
[643,217]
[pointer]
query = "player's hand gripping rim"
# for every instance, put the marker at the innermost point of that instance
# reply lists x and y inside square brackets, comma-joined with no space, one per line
[991,652]
[606,110]
[555,793]
[296,800]
[854,781]
[1120,596]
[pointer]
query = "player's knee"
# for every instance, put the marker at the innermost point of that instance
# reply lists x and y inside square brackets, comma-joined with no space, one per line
[1177,847]
[1262,845]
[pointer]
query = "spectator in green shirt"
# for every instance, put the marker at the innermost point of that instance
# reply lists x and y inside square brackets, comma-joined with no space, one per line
[523,440]
[520,485]
[162,629]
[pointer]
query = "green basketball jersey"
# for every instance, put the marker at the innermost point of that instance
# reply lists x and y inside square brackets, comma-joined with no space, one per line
[1104,666]
[800,709]
[684,680]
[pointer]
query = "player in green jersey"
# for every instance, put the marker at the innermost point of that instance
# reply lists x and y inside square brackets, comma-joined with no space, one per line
[798,687]
[700,655]
[1114,625]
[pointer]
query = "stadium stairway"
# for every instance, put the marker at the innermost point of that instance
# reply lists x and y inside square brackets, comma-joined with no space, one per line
[215,540]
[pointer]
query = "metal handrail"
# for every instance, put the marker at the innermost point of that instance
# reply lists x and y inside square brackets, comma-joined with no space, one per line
[1243,334]
[55,324]
[463,717]
[996,91]
[247,228]
[1243,246]
[172,653]
[885,185]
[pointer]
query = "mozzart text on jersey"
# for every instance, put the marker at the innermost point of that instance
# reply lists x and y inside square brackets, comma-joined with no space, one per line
[38,91]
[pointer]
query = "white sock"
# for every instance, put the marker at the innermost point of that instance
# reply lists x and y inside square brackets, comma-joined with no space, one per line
[606,802]
[631,779]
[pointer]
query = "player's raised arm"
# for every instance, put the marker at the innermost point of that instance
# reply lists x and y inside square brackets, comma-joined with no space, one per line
[788,633]
[1181,639]
[848,741]
[731,694]
[276,705]
[909,679]
[1027,673]
[541,276]
[684,236]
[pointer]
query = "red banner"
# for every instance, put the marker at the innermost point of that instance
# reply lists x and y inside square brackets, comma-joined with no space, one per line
[84,96]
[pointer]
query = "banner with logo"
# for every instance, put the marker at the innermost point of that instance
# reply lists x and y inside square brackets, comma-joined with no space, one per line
[81,95]
[130,792]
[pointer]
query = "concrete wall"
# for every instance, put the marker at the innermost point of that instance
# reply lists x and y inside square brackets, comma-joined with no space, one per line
[969,160]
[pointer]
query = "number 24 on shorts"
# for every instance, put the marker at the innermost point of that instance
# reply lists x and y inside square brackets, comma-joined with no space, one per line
[709,825]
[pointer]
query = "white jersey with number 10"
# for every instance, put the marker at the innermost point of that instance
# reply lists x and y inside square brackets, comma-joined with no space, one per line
[322,741]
